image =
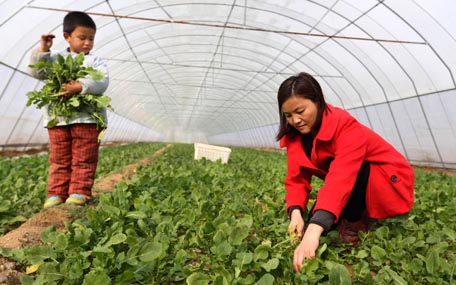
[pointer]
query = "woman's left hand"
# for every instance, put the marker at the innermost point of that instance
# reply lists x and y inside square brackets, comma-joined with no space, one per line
[308,246]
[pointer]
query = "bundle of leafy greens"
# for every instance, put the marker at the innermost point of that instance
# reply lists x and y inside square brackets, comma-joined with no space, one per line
[64,70]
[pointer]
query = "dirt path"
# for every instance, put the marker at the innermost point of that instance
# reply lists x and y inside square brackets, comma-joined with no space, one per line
[28,234]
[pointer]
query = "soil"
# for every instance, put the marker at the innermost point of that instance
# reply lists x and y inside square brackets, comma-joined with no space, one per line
[28,234]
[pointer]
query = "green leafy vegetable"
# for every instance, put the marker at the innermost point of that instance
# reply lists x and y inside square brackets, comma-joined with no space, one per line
[64,70]
[183,221]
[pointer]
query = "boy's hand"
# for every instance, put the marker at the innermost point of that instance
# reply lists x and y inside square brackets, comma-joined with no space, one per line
[46,42]
[71,88]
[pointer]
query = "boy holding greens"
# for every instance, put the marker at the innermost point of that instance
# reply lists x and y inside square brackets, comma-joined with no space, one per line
[74,144]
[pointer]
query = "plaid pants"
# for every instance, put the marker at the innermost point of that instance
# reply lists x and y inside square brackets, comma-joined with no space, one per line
[73,159]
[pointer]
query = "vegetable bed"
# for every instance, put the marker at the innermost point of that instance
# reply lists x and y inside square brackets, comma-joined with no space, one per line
[182,221]
[24,179]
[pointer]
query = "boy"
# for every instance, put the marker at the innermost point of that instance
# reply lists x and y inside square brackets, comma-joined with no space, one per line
[73,152]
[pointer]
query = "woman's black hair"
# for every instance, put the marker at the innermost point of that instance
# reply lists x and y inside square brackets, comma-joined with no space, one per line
[305,86]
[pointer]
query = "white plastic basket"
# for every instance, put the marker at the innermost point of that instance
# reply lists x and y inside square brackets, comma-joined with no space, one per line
[212,152]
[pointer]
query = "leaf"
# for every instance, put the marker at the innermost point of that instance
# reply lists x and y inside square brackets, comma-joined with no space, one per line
[362,254]
[321,249]
[79,59]
[237,234]
[197,278]
[150,251]
[310,266]
[450,233]
[432,261]
[95,74]
[73,101]
[220,280]
[398,280]
[102,101]
[60,59]
[102,249]
[52,123]
[378,253]
[32,268]
[271,264]
[37,254]
[243,258]
[136,215]
[61,242]
[222,249]
[116,239]
[98,277]
[262,251]
[48,235]
[266,279]
[339,275]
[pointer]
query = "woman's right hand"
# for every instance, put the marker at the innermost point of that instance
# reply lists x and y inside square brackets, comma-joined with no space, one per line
[296,226]
[308,246]
[46,42]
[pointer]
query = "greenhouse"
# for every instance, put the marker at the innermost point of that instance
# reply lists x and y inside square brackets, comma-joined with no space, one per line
[188,74]
[208,71]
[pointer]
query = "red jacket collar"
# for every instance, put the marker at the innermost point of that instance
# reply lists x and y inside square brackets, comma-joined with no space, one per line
[329,124]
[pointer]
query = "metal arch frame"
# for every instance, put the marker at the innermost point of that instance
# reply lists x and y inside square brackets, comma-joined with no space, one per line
[217,68]
[355,57]
[130,48]
[417,95]
[412,83]
[128,43]
[220,4]
[290,56]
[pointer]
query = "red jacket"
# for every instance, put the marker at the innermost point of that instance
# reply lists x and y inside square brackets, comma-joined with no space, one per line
[339,149]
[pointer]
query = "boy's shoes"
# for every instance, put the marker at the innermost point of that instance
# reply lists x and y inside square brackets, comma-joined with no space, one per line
[348,231]
[77,199]
[52,201]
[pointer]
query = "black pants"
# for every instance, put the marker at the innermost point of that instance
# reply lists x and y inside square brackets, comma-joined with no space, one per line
[356,204]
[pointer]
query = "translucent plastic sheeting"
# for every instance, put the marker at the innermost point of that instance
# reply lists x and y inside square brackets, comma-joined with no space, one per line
[209,70]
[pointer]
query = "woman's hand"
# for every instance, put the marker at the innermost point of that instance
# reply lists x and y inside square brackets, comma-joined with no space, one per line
[308,245]
[296,226]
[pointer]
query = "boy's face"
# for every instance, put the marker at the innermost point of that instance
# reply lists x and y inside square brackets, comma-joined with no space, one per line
[81,39]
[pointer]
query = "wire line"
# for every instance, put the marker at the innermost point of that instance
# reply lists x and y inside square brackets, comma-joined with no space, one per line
[182,22]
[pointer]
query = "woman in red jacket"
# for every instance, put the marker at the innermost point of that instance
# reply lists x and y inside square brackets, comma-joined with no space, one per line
[365,177]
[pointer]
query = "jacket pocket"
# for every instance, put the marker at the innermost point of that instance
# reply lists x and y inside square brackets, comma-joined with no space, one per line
[390,191]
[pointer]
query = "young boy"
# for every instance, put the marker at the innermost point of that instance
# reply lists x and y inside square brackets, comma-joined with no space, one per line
[73,153]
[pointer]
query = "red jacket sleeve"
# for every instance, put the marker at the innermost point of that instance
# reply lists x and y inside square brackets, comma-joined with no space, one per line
[297,182]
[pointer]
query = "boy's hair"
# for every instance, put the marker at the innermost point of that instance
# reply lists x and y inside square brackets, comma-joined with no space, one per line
[77,19]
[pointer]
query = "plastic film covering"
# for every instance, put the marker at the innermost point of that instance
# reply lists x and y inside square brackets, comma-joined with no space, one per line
[208,70]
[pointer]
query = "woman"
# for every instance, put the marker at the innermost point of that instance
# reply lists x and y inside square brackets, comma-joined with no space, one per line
[365,177]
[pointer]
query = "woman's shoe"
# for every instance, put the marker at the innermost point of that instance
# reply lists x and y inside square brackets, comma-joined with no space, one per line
[348,231]
[77,199]
[52,201]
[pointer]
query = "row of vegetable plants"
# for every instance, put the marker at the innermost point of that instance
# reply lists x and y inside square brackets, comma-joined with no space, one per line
[24,179]
[181,221]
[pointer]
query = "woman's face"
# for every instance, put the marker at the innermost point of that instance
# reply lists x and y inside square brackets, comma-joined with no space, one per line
[301,113]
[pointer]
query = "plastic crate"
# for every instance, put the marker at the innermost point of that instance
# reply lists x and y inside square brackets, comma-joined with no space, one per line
[212,152]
